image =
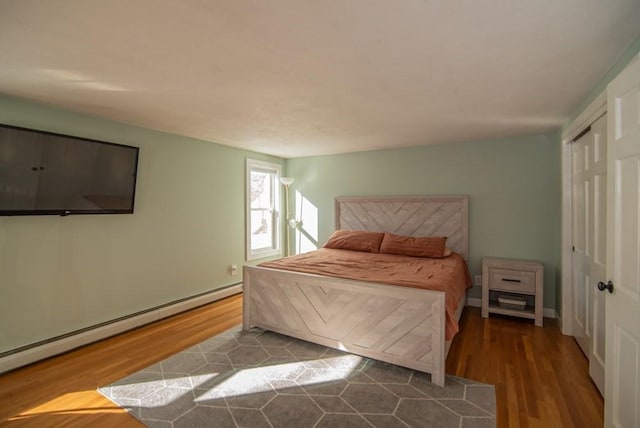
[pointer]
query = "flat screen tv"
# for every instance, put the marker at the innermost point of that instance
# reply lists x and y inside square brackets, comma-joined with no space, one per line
[45,173]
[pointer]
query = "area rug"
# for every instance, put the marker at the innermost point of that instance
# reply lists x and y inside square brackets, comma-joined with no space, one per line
[262,379]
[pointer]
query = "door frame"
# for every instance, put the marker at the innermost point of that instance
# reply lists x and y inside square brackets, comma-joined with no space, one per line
[589,115]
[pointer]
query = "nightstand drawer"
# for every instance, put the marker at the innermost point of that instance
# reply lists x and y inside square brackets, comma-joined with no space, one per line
[515,281]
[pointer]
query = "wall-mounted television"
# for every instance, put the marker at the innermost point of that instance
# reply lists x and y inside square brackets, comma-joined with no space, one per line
[45,173]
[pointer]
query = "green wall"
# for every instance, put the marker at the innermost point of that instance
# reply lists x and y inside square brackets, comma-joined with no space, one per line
[60,274]
[513,184]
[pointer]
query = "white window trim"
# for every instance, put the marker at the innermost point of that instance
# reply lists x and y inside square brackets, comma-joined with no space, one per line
[254,164]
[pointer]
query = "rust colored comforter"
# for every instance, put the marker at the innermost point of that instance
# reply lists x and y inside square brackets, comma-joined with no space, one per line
[449,274]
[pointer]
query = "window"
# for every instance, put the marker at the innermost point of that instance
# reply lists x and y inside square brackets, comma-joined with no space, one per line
[263,202]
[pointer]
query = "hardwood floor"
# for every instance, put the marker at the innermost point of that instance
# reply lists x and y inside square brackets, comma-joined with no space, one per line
[61,391]
[540,376]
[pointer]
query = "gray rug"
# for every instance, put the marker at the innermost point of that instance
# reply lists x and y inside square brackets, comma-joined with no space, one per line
[263,379]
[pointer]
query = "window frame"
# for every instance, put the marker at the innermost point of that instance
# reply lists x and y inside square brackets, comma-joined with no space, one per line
[276,242]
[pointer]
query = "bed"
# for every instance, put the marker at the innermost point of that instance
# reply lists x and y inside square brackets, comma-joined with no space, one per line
[402,325]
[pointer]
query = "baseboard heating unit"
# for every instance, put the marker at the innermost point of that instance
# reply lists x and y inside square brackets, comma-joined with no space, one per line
[31,353]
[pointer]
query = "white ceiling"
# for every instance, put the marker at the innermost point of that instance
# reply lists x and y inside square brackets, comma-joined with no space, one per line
[303,77]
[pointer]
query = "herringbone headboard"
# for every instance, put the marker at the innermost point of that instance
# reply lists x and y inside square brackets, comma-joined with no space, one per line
[409,215]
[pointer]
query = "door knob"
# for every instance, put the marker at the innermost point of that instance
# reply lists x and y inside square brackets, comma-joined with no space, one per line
[608,286]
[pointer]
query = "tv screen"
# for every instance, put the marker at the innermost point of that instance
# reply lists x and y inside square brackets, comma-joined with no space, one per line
[47,173]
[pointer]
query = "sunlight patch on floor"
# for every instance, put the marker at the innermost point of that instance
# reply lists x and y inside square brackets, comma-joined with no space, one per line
[78,402]
[323,370]
[251,380]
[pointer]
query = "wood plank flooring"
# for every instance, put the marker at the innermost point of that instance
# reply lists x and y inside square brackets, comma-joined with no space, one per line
[61,391]
[541,376]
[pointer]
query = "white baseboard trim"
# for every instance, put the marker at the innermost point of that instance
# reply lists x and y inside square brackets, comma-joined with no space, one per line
[477,303]
[474,302]
[91,335]
[559,318]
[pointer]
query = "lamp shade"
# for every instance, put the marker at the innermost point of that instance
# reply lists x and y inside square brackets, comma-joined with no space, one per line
[287,181]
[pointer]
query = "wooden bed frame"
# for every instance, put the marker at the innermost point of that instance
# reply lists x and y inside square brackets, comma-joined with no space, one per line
[399,325]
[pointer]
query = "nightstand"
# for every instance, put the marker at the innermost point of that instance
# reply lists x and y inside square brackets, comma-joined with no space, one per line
[512,287]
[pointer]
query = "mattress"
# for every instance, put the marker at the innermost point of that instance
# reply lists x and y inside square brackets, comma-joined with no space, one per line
[449,274]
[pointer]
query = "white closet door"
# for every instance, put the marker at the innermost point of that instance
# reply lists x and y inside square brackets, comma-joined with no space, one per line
[597,246]
[622,379]
[582,169]
[589,241]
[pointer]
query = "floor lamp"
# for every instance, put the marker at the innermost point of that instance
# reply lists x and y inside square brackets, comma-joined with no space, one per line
[287,181]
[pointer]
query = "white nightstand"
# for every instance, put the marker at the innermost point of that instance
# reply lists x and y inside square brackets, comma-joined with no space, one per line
[513,280]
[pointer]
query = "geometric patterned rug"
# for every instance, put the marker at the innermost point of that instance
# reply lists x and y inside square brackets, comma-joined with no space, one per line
[264,379]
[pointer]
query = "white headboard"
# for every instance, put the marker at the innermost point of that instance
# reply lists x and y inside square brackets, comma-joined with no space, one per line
[409,215]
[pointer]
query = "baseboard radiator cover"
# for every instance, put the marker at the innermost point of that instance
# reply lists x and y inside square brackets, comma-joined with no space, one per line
[31,353]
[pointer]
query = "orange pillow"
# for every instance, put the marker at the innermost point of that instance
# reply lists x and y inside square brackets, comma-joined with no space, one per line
[427,246]
[355,240]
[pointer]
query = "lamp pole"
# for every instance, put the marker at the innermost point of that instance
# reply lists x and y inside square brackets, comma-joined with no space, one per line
[287,181]
[286,223]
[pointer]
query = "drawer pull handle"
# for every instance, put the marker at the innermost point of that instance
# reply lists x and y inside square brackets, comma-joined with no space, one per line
[511,280]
